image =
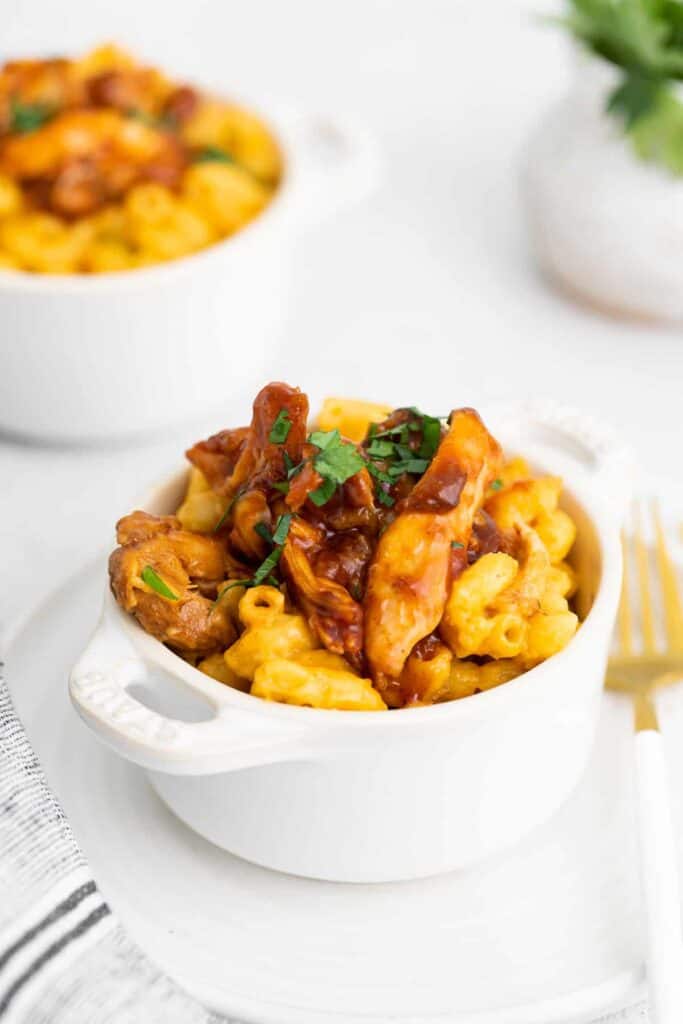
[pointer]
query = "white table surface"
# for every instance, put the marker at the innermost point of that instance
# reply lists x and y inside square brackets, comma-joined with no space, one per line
[426,294]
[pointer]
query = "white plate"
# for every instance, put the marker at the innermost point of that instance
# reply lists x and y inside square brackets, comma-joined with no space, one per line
[549,932]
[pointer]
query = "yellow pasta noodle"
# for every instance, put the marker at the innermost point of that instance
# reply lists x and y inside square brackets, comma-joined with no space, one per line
[351,416]
[202,508]
[318,687]
[467,678]
[216,667]
[535,503]
[269,632]
[223,195]
[470,624]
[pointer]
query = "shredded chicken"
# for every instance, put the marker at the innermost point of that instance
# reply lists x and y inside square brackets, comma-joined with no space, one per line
[411,571]
[332,612]
[187,564]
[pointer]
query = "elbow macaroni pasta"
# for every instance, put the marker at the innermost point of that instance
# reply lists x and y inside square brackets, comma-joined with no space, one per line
[269,632]
[316,685]
[517,608]
[202,508]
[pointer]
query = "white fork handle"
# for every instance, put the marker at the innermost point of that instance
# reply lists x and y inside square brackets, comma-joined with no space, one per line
[659,878]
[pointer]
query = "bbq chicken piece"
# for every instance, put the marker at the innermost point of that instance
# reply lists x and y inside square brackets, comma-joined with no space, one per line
[248,459]
[409,577]
[333,615]
[181,565]
[83,159]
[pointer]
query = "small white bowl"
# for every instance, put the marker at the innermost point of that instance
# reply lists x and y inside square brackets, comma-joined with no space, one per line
[88,358]
[374,797]
[606,226]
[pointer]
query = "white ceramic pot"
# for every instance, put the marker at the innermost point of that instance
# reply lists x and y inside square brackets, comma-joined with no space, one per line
[371,797]
[90,358]
[605,225]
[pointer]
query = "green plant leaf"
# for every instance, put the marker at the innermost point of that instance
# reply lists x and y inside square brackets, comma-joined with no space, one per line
[657,136]
[634,97]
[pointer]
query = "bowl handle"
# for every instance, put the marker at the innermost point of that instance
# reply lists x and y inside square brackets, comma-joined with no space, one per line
[99,687]
[573,440]
[335,164]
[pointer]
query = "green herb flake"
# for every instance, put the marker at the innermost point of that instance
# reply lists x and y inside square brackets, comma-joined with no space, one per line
[266,567]
[231,586]
[379,474]
[228,509]
[213,154]
[497,484]
[322,494]
[431,437]
[28,117]
[282,486]
[337,460]
[384,498]
[324,439]
[262,530]
[416,466]
[153,580]
[381,450]
[280,429]
[455,544]
[282,528]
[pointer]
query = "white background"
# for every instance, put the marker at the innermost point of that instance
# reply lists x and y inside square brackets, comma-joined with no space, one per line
[426,294]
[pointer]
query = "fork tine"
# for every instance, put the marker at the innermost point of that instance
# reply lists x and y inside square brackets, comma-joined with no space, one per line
[673,609]
[647,615]
[625,614]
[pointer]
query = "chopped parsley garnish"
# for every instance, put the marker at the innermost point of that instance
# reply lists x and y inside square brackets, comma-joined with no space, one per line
[282,528]
[496,484]
[228,510]
[214,154]
[417,466]
[153,580]
[264,573]
[455,544]
[28,117]
[431,437]
[384,498]
[336,461]
[380,449]
[264,532]
[397,450]
[266,567]
[230,586]
[279,432]
[151,120]
[321,495]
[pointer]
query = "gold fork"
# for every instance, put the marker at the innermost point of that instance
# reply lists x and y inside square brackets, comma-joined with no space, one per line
[639,673]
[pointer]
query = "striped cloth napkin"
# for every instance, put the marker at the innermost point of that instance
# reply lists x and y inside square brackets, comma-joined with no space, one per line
[64,958]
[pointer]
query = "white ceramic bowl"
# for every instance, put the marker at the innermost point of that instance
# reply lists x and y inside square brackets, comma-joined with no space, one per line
[93,357]
[605,225]
[368,797]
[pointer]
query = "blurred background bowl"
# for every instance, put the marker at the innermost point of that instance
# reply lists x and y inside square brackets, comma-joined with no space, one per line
[606,226]
[95,358]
